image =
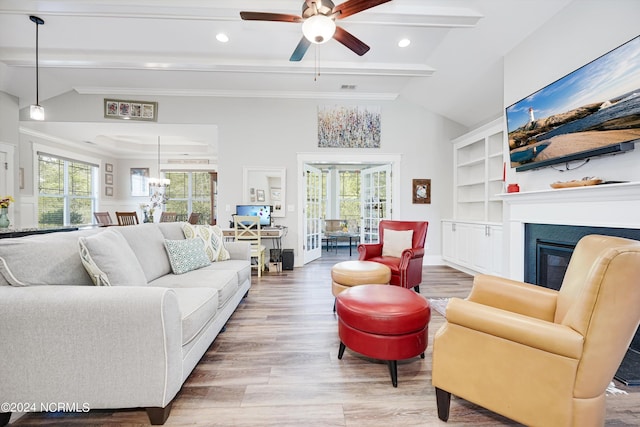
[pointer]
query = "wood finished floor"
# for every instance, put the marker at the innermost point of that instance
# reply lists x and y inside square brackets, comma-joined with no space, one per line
[276,365]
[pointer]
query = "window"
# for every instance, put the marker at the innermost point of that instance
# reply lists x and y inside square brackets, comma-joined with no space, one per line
[349,196]
[190,192]
[66,191]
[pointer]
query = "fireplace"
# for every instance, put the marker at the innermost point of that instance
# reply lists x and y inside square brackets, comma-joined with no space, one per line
[548,249]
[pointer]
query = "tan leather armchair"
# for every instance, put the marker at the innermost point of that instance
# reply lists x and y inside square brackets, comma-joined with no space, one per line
[538,356]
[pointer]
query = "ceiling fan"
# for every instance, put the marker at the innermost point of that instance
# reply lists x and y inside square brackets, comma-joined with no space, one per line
[318,23]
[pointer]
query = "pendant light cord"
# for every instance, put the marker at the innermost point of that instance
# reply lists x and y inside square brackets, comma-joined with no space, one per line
[37,68]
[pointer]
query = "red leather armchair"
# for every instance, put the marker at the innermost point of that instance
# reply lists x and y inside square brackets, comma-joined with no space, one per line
[406,271]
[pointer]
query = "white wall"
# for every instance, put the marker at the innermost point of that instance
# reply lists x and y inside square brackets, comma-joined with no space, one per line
[580,33]
[271,132]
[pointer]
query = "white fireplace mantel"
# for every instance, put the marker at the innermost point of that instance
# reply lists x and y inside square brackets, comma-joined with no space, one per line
[607,205]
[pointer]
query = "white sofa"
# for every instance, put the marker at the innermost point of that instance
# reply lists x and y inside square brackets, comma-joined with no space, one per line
[65,341]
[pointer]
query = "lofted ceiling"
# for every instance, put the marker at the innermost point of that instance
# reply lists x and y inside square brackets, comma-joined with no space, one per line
[452,67]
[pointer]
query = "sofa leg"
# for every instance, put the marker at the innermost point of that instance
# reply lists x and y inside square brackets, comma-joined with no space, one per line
[417,288]
[334,305]
[393,370]
[341,350]
[443,400]
[157,415]
[4,418]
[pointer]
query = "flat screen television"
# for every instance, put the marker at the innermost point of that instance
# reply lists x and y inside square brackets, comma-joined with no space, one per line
[593,111]
[262,211]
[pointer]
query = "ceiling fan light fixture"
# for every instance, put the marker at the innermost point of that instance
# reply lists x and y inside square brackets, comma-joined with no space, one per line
[318,29]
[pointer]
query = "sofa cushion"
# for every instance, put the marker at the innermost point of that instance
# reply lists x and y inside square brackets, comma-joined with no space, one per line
[197,307]
[224,281]
[171,230]
[241,267]
[396,241]
[147,243]
[109,258]
[44,259]
[186,255]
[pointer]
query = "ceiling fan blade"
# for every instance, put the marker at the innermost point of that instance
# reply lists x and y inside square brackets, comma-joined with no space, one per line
[351,7]
[300,50]
[350,41]
[264,16]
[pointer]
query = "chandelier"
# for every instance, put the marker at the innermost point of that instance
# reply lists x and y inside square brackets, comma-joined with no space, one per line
[157,183]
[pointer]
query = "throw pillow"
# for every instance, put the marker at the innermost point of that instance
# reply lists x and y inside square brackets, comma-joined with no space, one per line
[186,255]
[396,241]
[110,261]
[216,234]
[211,236]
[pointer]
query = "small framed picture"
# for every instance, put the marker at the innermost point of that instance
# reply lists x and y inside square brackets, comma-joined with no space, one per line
[108,167]
[260,195]
[421,191]
[108,178]
[108,191]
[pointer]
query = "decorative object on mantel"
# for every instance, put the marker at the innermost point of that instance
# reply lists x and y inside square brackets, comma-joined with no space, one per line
[513,188]
[4,209]
[587,180]
[130,110]
[349,127]
[421,191]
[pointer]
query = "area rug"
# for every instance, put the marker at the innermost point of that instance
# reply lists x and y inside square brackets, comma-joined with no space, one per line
[439,305]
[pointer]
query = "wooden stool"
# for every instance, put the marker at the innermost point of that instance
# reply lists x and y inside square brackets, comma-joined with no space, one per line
[383,322]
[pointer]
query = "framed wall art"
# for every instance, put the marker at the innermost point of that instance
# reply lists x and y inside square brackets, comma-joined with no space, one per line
[349,127]
[108,191]
[108,178]
[130,110]
[421,191]
[108,167]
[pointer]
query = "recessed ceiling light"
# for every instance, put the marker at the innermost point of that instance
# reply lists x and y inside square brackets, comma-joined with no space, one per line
[222,37]
[404,43]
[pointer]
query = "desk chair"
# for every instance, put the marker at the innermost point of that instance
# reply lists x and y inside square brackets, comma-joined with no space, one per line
[194,218]
[103,218]
[168,217]
[127,218]
[247,228]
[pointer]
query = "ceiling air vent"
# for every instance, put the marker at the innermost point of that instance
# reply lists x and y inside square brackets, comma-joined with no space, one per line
[348,87]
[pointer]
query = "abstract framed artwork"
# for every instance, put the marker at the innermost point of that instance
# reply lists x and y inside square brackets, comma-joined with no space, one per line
[421,190]
[349,127]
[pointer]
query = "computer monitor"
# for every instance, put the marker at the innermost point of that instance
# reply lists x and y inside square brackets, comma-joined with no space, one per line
[262,211]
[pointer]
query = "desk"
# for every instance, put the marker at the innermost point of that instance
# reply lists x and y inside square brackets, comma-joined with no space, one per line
[275,234]
[353,237]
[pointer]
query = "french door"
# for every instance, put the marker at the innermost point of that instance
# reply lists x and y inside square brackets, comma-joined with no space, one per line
[375,201]
[312,213]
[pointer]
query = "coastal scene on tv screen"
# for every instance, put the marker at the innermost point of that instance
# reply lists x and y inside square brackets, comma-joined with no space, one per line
[596,106]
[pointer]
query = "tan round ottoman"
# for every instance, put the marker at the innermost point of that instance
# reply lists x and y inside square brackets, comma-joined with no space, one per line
[347,274]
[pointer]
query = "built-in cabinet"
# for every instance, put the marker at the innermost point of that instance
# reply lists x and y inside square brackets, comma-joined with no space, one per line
[473,238]
[476,246]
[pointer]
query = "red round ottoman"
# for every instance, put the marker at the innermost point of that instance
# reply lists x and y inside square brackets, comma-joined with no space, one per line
[383,322]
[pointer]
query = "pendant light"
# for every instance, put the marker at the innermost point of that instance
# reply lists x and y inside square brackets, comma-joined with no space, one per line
[156,183]
[36,112]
